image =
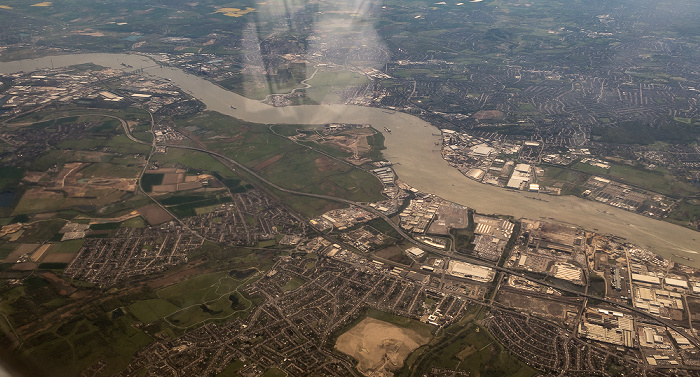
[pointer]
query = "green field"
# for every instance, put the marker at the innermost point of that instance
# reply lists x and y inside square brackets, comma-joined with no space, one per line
[659,180]
[220,308]
[42,231]
[285,163]
[570,181]
[199,289]
[327,149]
[52,266]
[136,222]
[463,238]
[6,248]
[111,170]
[65,352]
[102,200]
[148,311]
[687,213]
[124,205]
[597,285]
[60,157]
[105,226]
[202,298]
[232,369]
[326,84]
[188,205]
[197,162]
[71,246]
[10,176]
[207,209]
[376,141]
[69,345]
[193,160]
[148,180]
[275,372]
[423,329]
[293,284]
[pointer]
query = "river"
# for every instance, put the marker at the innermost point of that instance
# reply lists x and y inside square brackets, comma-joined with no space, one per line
[411,145]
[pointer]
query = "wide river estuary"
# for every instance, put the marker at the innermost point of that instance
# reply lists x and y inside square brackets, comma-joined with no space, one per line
[411,145]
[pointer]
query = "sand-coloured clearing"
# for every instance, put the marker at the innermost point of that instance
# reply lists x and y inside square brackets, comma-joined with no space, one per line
[379,346]
[235,12]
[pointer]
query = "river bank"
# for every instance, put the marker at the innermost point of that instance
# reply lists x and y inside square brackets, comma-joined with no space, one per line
[411,145]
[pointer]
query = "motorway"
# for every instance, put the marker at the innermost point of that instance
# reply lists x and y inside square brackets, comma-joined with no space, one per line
[404,235]
[411,145]
[440,252]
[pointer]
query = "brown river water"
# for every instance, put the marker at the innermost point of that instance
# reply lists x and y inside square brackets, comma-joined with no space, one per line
[411,145]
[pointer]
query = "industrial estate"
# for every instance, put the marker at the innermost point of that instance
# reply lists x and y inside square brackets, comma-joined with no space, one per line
[148,230]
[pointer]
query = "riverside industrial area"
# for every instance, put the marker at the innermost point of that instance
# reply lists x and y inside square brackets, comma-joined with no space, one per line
[210,189]
[606,302]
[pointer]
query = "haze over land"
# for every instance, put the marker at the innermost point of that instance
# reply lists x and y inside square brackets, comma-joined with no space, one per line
[503,187]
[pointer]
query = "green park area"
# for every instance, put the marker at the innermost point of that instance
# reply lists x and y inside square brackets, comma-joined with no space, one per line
[570,181]
[325,84]
[232,369]
[468,347]
[192,302]
[292,284]
[657,180]
[195,162]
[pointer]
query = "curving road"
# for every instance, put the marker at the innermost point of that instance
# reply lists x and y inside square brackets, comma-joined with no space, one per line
[422,166]
[411,144]
[443,253]
[131,137]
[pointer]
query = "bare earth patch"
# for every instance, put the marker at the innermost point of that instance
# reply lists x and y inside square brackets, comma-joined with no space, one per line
[379,347]
[33,176]
[25,248]
[61,286]
[267,162]
[488,114]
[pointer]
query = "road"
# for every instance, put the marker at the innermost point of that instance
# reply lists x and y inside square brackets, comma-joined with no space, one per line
[131,137]
[435,250]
